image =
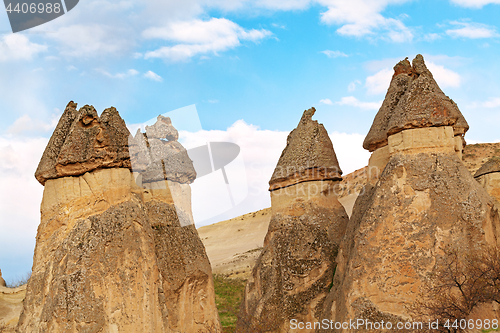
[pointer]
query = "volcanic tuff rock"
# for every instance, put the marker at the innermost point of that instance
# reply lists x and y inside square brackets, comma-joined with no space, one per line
[413,100]
[489,177]
[294,272]
[424,201]
[2,281]
[82,142]
[308,155]
[112,256]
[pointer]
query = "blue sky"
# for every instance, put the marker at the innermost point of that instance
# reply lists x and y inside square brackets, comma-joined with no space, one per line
[250,67]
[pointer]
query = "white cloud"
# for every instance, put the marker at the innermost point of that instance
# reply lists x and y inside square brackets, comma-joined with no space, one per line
[129,73]
[475,3]
[471,30]
[379,82]
[91,40]
[326,101]
[25,125]
[362,17]
[352,85]
[493,102]
[18,47]
[196,37]
[443,76]
[153,76]
[432,37]
[334,54]
[353,101]
[20,198]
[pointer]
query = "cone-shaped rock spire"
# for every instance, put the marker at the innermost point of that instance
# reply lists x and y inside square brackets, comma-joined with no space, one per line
[308,155]
[413,100]
[82,142]
[492,165]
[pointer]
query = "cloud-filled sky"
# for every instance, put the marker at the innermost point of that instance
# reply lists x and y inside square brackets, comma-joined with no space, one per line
[250,67]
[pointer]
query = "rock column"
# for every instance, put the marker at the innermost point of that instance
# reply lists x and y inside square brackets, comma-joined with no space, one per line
[294,272]
[424,201]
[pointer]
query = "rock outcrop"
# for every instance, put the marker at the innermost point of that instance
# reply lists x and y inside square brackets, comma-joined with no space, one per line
[2,281]
[106,249]
[294,272]
[424,201]
[488,176]
[413,100]
[184,266]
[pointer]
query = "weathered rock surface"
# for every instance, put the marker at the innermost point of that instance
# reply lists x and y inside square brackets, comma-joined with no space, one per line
[2,281]
[308,155]
[423,201]
[112,256]
[83,142]
[294,272]
[11,304]
[413,100]
[489,177]
[157,155]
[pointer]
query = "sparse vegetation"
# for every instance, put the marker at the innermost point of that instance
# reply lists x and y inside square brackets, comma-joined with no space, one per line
[464,282]
[3,327]
[228,297]
[19,281]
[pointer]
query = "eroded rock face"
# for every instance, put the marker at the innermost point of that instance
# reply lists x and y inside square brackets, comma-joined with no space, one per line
[82,142]
[308,155]
[2,281]
[413,100]
[489,177]
[424,201]
[113,256]
[294,272]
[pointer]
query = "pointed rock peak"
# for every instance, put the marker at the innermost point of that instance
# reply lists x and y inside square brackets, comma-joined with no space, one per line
[46,168]
[162,129]
[413,100]
[308,155]
[492,165]
[83,141]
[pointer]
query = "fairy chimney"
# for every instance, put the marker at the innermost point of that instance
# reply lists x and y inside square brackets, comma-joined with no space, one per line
[424,201]
[413,101]
[294,272]
[99,244]
[164,170]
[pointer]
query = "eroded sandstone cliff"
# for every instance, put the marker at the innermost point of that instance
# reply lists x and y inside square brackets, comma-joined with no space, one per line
[424,202]
[294,272]
[111,255]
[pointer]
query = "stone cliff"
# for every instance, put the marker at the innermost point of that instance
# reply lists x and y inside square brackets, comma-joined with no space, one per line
[424,201]
[294,272]
[106,247]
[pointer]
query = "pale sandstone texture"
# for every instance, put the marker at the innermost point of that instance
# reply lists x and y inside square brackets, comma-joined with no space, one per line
[2,281]
[294,272]
[308,155]
[424,201]
[413,100]
[489,177]
[111,256]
